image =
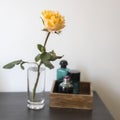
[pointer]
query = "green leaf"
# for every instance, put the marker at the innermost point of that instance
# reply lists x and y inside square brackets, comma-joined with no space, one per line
[21,65]
[37,58]
[45,30]
[53,56]
[48,64]
[8,66]
[45,57]
[42,20]
[12,64]
[40,48]
[58,32]
[58,57]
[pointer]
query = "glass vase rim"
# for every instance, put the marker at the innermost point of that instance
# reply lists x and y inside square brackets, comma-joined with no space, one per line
[35,68]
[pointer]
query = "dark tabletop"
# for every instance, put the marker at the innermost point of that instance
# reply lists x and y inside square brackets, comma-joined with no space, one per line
[13,107]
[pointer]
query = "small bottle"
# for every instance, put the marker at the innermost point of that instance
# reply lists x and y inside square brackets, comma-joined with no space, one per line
[66,86]
[75,80]
[63,70]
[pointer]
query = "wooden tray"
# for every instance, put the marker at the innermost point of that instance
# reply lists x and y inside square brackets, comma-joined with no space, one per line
[84,100]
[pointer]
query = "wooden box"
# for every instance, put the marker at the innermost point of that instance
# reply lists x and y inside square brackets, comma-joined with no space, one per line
[84,100]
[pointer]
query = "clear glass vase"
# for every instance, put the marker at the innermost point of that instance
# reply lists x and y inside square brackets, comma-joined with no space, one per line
[36,88]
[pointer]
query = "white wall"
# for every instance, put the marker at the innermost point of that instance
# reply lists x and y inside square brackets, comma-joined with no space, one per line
[90,42]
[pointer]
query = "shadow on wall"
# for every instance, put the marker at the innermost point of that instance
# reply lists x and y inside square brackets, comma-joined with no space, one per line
[83,72]
[108,96]
[103,88]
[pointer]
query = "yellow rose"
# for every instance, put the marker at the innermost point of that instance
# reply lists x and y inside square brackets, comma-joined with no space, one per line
[53,21]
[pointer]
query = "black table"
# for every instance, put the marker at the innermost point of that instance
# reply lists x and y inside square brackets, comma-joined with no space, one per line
[13,107]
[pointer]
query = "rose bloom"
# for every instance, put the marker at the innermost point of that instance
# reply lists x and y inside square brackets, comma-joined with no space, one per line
[53,21]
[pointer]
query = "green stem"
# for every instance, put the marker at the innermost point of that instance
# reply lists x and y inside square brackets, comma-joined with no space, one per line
[38,71]
[46,39]
[36,83]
